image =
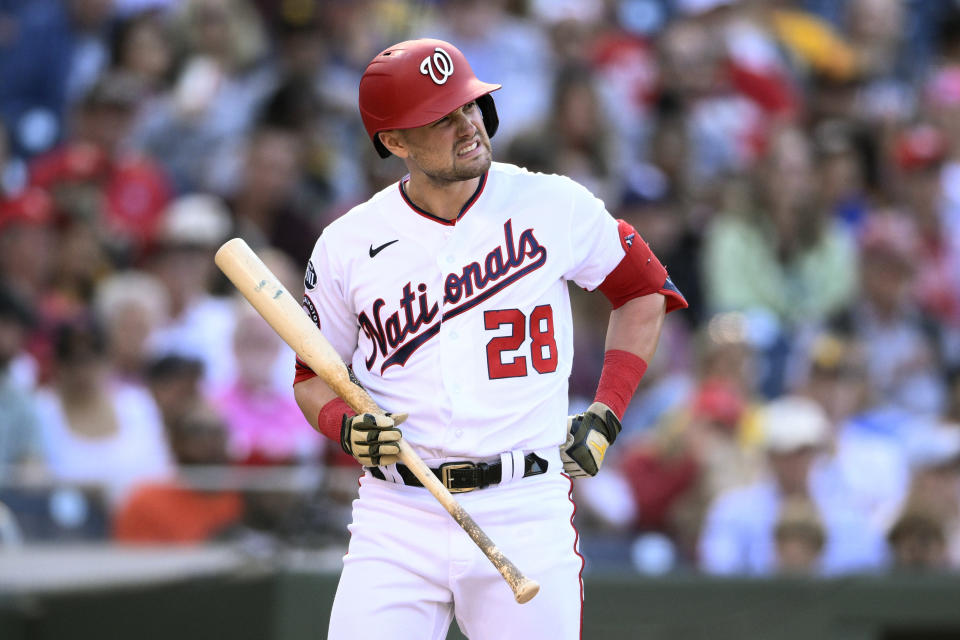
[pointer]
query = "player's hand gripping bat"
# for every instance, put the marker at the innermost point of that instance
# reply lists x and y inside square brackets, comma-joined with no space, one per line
[262,289]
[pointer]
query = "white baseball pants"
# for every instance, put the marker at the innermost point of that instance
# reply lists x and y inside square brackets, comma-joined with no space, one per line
[410,568]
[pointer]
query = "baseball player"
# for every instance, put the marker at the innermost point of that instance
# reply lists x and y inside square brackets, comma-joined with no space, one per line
[447,294]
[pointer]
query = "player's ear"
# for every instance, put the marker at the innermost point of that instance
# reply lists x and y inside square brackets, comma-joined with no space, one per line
[394,142]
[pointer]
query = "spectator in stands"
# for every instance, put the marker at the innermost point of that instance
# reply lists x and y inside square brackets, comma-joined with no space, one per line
[800,538]
[934,453]
[53,52]
[97,180]
[840,150]
[133,304]
[917,541]
[942,102]
[21,451]
[97,431]
[783,256]
[81,260]
[919,154]
[900,341]
[864,436]
[696,455]
[141,46]
[652,204]
[196,130]
[496,41]
[704,446]
[738,535]
[759,59]
[175,512]
[574,139]
[781,259]
[316,99]
[176,385]
[875,30]
[200,324]
[264,425]
[721,125]
[26,240]
[264,203]
[90,22]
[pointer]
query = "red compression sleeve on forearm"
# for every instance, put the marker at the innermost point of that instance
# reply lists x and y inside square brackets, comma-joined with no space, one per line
[330,418]
[619,378]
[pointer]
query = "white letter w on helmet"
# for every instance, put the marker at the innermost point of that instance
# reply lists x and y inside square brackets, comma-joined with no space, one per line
[440,61]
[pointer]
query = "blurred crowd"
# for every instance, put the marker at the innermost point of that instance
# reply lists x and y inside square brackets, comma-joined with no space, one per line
[794,164]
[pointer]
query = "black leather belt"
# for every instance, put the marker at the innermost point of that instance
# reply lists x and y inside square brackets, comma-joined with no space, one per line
[459,477]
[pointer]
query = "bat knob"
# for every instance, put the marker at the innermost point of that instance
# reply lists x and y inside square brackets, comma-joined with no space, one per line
[526,590]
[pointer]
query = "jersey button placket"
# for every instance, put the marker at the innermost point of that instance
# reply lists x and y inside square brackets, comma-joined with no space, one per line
[448,365]
[451,259]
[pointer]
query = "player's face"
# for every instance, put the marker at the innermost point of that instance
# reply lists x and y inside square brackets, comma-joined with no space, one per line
[454,148]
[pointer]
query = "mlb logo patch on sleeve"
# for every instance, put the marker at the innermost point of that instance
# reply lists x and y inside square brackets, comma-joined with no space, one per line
[310,279]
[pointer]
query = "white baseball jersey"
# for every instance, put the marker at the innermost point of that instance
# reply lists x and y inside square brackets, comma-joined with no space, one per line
[464,324]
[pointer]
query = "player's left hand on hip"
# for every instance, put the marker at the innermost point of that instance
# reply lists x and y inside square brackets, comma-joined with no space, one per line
[588,436]
[371,438]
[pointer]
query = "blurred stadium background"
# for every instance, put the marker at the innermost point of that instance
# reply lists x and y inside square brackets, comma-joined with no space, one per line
[790,467]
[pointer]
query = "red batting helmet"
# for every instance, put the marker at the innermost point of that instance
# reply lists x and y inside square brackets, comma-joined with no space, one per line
[416,82]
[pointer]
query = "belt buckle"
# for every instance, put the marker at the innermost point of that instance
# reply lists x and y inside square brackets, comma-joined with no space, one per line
[445,470]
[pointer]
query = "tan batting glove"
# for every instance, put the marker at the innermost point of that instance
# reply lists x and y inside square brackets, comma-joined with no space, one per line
[588,436]
[371,438]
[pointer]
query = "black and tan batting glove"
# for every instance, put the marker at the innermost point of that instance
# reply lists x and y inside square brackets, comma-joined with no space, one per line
[372,439]
[588,436]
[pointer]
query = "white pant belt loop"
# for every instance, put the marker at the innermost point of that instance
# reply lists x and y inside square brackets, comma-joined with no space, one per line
[391,474]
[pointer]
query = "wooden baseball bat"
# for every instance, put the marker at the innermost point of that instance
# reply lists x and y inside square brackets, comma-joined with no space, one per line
[279,308]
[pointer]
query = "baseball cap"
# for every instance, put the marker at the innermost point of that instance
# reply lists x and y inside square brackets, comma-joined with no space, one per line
[791,423]
[33,207]
[135,195]
[195,220]
[920,147]
[74,162]
[835,354]
[718,401]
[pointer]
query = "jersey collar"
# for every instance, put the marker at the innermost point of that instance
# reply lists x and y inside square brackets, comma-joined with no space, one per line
[429,216]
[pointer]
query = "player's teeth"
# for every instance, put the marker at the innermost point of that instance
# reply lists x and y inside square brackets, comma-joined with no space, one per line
[468,149]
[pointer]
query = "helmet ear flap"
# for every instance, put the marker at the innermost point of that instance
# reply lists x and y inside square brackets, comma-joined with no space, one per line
[489,110]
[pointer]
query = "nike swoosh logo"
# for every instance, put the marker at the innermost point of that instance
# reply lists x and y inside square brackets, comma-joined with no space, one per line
[374,252]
